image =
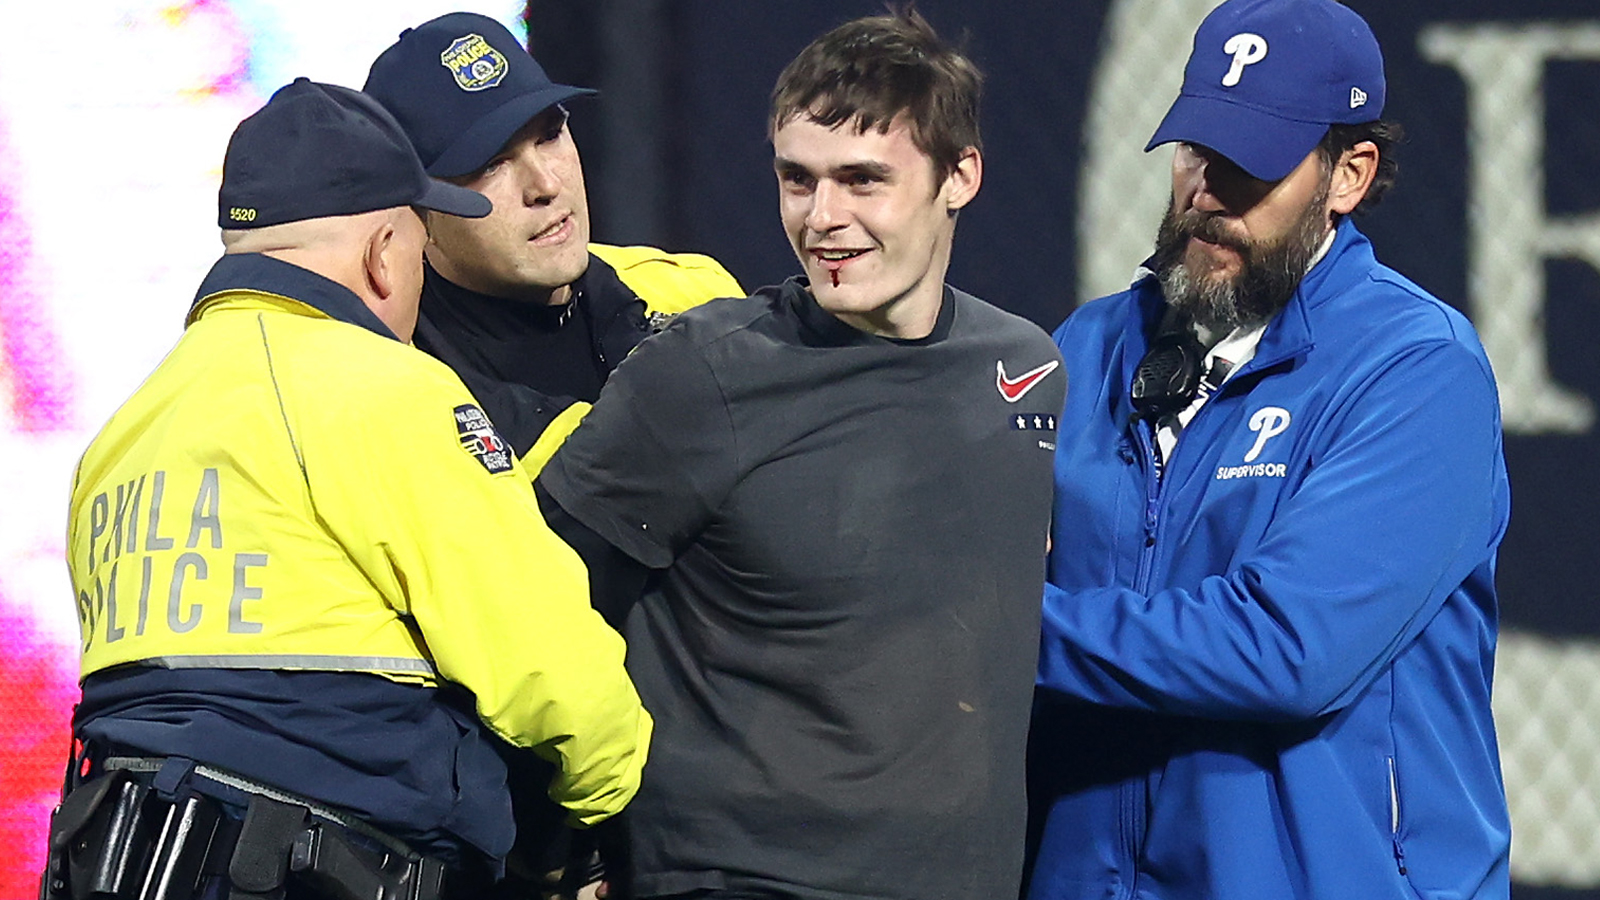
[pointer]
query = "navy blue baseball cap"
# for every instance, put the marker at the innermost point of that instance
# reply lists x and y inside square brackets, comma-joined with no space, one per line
[322,150]
[1268,77]
[461,86]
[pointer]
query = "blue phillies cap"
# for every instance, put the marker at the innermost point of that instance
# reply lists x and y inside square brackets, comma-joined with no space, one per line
[1267,77]
[322,150]
[461,86]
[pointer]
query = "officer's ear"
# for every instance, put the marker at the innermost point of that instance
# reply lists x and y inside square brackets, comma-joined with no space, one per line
[378,259]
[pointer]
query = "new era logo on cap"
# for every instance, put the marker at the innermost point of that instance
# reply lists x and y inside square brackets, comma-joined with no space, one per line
[1358,98]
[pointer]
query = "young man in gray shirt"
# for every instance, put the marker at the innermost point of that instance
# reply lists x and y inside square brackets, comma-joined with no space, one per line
[835,494]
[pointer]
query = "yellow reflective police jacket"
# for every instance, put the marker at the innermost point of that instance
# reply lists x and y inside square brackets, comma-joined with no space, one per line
[291,491]
[668,282]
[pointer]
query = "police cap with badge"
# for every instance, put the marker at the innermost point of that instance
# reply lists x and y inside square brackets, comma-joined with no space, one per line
[462,86]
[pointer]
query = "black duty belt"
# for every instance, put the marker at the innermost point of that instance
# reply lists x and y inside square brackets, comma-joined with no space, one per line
[155,829]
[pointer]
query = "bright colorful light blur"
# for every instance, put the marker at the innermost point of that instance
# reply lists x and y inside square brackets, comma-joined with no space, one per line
[110,150]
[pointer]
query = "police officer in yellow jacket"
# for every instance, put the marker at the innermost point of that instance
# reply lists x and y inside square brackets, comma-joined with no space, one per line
[309,571]
[531,315]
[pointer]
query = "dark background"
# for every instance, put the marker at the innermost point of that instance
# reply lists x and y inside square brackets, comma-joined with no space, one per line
[676,155]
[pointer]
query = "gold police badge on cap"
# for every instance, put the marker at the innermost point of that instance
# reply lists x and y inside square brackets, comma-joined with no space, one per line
[475,64]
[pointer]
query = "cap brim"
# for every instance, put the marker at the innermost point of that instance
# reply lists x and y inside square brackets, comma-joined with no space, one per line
[444,197]
[483,139]
[1265,145]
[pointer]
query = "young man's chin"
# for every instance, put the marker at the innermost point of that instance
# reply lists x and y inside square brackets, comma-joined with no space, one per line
[846,298]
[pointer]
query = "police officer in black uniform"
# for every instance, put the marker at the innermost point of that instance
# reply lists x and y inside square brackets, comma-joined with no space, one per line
[528,312]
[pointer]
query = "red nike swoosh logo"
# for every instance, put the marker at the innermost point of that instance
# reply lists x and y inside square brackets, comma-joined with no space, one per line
[1014,388]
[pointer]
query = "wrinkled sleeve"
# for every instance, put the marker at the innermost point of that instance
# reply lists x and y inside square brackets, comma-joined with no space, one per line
[457,544]
[654,458]
[1397,510]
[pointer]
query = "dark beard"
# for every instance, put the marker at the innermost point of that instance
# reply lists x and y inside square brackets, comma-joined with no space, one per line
[1268,276]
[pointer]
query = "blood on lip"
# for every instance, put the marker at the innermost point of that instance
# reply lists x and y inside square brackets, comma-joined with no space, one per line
[831,264]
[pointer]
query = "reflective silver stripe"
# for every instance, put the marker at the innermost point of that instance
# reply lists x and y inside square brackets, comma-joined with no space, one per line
[248,786]
[315,662]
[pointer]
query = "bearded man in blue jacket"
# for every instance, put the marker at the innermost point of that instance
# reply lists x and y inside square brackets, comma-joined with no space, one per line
[1270,620]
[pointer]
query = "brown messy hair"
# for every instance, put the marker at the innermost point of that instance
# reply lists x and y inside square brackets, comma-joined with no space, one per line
[871,70]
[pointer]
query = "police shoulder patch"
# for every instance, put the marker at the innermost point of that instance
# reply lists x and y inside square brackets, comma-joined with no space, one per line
[474,62]
[479,438]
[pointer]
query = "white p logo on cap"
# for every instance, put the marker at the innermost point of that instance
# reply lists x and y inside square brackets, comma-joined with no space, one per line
[1247,49]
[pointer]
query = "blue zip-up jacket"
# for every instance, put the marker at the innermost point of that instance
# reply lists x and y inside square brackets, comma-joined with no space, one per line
[1266,674]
